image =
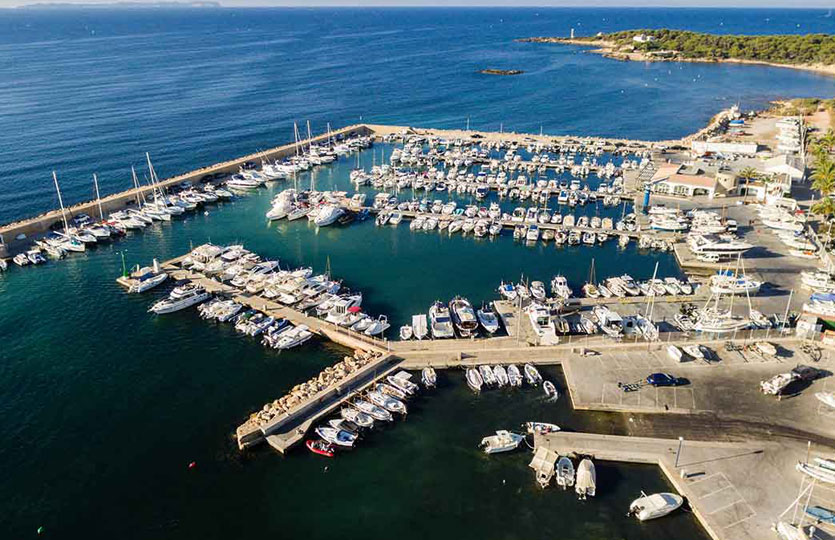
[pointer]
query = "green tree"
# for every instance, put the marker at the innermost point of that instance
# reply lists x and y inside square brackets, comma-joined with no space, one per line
[824,207]
[748,173]
[823,178]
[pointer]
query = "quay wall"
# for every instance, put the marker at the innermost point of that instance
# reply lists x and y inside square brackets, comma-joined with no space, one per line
[41,224]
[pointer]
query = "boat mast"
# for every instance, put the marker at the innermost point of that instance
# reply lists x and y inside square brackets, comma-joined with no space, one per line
[309,138]
[651,299]
[98,197]
[61,202]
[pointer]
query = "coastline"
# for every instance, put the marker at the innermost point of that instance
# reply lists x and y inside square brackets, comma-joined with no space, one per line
[610,49]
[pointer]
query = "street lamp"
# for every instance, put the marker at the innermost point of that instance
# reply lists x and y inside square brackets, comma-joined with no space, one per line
[678,452]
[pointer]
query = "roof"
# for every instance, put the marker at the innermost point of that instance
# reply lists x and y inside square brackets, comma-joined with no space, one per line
[665,170]
[691,180]
[783,159]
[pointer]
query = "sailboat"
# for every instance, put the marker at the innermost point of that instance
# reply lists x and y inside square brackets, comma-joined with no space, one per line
[66,239]
[719,321]
[590,289]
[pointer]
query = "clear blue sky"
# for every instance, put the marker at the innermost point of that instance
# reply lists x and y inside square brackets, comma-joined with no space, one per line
[496,3]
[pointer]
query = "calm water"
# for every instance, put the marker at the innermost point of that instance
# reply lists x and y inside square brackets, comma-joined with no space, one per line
[86,92]
[103,406]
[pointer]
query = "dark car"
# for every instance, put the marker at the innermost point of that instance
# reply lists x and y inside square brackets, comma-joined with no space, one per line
[665,379]
[806,373]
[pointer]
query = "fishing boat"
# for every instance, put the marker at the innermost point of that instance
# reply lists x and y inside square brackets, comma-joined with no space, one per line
[463,317]
[502,441]
[487,375]
[500,375]
[532,375]
[320,447]
[474,380]
[565,472]
[428,377]
[514,376]
[356,416]
[393,391]
[389,403]
[586,482]
[654,506]
[375,412]
[550,391]
[338,437]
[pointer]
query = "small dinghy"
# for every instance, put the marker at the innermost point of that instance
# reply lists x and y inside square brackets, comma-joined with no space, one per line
[501,376]
[551,393]
[375,412]
[358,417]
[586,482]
[694,351]
[541,427]
[487,375]
[654,506]
[565,472]
[336,436]
[514,376]
[827,398]
[320,447]
[502,441]
[474,380]
[406,332]
[532,375]
[428,377]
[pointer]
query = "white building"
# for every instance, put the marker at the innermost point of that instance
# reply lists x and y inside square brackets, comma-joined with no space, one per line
[643,38]
[790,166]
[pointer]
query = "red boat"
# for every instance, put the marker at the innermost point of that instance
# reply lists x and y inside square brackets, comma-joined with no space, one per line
[320,447]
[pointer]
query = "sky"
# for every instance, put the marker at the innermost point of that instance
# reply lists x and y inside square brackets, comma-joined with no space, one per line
[496,3]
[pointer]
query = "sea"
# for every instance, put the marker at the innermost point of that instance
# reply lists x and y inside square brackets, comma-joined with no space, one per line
[104,406]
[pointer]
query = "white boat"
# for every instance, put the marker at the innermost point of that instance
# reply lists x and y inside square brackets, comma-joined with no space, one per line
[406,332]
[828,398]
[375,412]
[294,337]
[145,279]
[327,215]
[428,377]
[419,327]
[550,391]
[817,472]
[488,320]
[357,417]
[336,436]
[500,375]
[487,375]
[378,326]
[787,531]
[474,380]
[655,506]
[514,376]
[586,483]
[541,427]
[766,348]
[502,441]
[532,375]
[674,353]
[463,317]
[560,288]
[186,300]
[542,324]
[440,321]
[694,351]
[387,402]
[730,284]
[565,472]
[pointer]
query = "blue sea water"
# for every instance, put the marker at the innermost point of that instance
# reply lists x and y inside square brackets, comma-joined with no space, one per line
[102,406]
[87,91]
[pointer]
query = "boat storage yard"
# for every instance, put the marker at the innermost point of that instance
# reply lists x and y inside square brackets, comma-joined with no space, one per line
[733,339]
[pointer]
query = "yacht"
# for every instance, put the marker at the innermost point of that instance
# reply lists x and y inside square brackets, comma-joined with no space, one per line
[542,324]
[710,244]
[463,317]
[439,321]
[184,300]
[560,288]
[732,284]
[327,215]
[488,320]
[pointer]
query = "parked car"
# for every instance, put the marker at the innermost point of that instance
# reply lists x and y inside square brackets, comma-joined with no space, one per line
[665,379]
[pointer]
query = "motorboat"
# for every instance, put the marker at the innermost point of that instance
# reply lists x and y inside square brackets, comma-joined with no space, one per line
[320,447]
[730,284]
[389,403]
[502,441]
[500,375]
[824,474]
[378,326]
[187,299]
[827,398]
[488,320]
[541,427]
[550,391]
[419,327]
[542,324]
[463,317]
[356,416]
[674,353]
[406,332]
[787,531]
[440,321]
[294,337]
[385,388]
[514,376]
[428,377]
[338,437]
[610,322]
[586,479]
[508,291]
[655,506]
[560,288]
[372,410]
[694,351]
[565,472]
[401,381]
[532,375]
[474,380]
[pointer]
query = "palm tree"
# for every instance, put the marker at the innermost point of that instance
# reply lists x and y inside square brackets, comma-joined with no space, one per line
[823,179]
[748,173]
[824,207]
[827,141]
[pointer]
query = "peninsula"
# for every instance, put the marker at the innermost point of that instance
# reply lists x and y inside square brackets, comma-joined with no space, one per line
[812,52]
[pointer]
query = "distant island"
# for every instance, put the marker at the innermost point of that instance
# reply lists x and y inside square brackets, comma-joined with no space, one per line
[814,52]
[123,5]
[501,71]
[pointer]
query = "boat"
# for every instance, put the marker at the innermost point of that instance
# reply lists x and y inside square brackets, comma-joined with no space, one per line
[674,353]
[550,391]
[827,398]
[766,348]
[320,447]
[565,472]
[817,472]
[542,324]
[419,326]
[377,326]
[488,320]
[401,381]
[500,375]
[560,288]
[393,391]
[338,437]
[389,403]
[463,317]
[532,375]
[356,416]
[586,480]
[514,376]
[655,506]
[541,427]
[508,291]
[821,514]
[487,375]
[375,412]
[428,377]
[502,441]
[474,380]
[187,299]
[406,332]
[294,337]
[694,351]
[787,531]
